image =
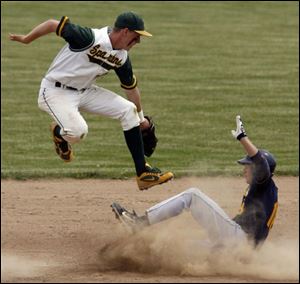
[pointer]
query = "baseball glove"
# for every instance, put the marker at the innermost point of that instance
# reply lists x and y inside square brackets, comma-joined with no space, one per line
[149,138]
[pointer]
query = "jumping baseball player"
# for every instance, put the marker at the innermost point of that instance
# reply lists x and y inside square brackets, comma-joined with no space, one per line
[68,88]
[258,208]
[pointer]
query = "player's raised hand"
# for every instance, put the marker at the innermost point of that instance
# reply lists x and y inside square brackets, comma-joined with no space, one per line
[240,132]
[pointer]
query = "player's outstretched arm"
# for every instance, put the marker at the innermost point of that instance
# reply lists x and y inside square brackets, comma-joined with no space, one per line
[240,134]
[40,30]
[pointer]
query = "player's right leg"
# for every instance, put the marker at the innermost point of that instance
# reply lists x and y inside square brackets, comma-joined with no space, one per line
[220,228]
[206,212]
[69,126]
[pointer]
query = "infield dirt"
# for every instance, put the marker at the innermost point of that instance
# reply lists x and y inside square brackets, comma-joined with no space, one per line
[65,231]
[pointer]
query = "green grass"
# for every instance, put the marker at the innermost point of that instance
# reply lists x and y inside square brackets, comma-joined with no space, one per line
[206,62]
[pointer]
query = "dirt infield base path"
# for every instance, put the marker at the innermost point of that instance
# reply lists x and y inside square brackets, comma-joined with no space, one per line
[64,231]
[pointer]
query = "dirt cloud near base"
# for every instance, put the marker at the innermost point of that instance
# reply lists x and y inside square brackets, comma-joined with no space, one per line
[168,251]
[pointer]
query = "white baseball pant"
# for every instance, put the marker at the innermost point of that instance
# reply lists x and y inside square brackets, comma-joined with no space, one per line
[205,211]
[64,106]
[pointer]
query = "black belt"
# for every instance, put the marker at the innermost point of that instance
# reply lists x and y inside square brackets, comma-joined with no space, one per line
[60,85]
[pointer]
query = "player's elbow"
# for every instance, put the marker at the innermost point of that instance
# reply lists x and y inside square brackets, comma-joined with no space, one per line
[52,25]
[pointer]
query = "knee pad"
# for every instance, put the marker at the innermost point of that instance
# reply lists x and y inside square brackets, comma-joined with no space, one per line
[130,118]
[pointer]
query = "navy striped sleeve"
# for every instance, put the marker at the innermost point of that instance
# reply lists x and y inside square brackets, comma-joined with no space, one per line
[126,76]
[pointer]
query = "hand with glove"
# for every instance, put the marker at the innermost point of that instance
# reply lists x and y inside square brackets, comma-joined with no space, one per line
[240,132]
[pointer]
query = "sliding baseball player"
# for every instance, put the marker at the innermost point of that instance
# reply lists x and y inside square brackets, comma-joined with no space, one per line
[258,208]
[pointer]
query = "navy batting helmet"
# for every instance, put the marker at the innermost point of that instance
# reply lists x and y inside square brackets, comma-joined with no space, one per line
[269,157]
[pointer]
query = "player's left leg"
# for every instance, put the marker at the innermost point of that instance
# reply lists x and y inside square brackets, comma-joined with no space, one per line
[104,102]
[100,101]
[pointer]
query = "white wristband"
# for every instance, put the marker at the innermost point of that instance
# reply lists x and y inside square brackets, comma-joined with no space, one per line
[141,116]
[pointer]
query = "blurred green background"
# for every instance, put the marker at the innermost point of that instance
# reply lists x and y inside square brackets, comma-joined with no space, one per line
[207,62]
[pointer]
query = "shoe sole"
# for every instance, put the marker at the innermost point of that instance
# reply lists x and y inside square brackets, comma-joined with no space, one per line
[150,185]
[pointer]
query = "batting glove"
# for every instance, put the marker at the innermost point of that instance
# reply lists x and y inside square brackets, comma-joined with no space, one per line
[240,132]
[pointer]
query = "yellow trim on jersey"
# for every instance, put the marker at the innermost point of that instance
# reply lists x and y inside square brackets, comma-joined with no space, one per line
[132,86]
[273,215]
[62,25]
[242,207]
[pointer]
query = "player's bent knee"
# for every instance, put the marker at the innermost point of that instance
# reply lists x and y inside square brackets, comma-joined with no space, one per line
[74,139]
[76,135]
[193,190]
[187,196]
[130,118]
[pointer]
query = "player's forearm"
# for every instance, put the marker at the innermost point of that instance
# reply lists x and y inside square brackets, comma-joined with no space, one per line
[40,30]
[134,96]
[249,147]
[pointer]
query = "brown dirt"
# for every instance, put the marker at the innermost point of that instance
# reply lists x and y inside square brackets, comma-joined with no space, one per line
[64,231]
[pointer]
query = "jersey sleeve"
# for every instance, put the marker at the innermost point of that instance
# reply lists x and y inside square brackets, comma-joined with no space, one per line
[79,38]
[126,76]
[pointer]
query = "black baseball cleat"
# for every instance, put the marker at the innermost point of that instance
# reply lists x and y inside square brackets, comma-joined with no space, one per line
[131,220]
[63,148]
[151,177]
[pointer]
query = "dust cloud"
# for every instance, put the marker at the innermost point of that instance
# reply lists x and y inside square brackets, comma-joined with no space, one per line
[15,266]
[178,247]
